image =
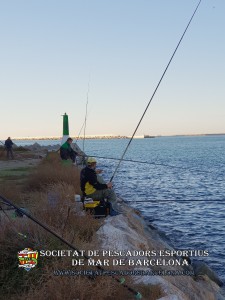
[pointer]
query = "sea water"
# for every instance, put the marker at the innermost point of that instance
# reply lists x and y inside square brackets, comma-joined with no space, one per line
[181,190]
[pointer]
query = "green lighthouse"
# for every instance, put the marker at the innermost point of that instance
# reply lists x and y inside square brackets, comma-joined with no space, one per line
[65,128]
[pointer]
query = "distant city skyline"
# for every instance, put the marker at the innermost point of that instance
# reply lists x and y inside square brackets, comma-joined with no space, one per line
[52,50]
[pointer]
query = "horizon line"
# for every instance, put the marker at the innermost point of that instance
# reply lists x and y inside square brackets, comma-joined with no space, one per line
[111,136]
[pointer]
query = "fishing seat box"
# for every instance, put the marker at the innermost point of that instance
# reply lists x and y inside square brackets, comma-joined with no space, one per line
[91,205]
[97,208]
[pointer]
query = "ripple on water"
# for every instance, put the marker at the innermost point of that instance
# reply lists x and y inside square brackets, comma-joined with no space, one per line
[191,224]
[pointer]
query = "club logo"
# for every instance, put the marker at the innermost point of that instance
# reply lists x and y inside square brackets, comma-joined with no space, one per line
[27,259]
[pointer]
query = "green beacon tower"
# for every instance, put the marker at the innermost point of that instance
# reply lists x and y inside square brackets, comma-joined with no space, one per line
[65,128]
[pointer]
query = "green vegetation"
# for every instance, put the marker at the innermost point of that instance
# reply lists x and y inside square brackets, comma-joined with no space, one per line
[15,174]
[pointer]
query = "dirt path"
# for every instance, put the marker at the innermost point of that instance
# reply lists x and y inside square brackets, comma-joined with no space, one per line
[15,164]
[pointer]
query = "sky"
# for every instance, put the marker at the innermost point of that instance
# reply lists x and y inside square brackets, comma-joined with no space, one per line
[51,51]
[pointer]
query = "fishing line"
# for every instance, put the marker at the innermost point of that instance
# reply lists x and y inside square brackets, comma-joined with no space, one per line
[155,90]
[7,201]
[172,200]
[150,163]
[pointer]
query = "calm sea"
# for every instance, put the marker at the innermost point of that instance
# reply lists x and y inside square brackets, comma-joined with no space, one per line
[181,190]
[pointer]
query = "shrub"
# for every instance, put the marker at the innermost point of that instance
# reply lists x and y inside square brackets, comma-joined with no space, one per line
[53,170]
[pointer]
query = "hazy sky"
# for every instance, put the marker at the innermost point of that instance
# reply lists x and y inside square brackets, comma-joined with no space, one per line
[50,49]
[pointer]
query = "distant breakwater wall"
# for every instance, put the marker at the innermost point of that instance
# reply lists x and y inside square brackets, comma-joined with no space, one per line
[99,137]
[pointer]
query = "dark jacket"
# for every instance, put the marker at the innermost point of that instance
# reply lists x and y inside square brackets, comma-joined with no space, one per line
[89,182]
[67,152]
[8,144]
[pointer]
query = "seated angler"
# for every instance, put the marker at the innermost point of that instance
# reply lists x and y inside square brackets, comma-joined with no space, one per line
[66,151]
[92,185]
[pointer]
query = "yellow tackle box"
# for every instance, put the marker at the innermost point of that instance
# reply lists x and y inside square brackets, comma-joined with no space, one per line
[91,204]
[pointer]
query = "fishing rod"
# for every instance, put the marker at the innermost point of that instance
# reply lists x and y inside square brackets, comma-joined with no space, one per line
[85,119]
[78,136]
[79,133]
[23,212]
[35,220]
[156,89]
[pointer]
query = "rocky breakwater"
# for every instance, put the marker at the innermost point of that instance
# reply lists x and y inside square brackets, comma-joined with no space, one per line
[38,147]
[42,150]
[129,234]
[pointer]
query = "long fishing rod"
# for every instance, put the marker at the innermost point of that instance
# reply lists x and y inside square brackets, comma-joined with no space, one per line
[79,133]
[23,212]
[85,120]
[78,136]
[121,281]
[156,89]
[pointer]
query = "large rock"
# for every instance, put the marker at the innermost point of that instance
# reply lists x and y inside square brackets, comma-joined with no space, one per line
[170,297]
[201,268]
[129,231]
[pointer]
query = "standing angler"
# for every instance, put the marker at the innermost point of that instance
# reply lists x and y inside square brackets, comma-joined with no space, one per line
[8,147]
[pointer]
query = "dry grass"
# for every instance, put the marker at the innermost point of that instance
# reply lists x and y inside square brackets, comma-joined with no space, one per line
[2,154]
[57,208]
[51,200]
[74,228]
[11,191]
[20,153]
[60,288]
[51,171]
[151,292]
[49,196]
[41,282]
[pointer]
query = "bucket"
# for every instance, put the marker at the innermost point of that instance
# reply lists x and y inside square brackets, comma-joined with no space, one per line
[77,198]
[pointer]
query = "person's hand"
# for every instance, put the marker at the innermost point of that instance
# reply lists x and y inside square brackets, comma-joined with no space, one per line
[81,154]
[109,185]
[99,171]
